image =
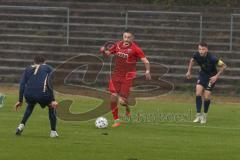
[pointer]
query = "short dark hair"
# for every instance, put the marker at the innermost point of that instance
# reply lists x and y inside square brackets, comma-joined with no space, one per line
[39,59]
[203,44]
[128,31]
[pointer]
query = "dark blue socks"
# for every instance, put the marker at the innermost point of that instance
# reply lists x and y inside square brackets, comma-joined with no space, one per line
[206,105]
[53,118]
[198,103]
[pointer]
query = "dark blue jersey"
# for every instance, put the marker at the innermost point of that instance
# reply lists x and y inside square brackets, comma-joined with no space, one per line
[35,81]
[208,64]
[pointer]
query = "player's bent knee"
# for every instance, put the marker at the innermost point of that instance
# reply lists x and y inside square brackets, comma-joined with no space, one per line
[206,98]
[199,90]
[123,101]
[207,95]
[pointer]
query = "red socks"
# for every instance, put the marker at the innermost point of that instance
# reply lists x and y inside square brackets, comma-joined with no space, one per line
[114,110]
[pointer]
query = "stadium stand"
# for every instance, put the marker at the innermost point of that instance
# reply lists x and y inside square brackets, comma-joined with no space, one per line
[167,35]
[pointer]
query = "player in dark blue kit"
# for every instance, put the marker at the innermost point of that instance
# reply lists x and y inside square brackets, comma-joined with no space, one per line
[206,80]
[35,86]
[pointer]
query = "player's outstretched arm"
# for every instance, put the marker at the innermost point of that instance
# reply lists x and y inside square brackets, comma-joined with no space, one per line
[147,67]
[222,66]
[189,72]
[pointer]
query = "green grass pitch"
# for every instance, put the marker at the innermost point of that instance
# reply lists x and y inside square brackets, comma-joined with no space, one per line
[144,138]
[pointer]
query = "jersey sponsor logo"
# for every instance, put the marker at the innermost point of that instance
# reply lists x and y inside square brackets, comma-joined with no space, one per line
[122,55]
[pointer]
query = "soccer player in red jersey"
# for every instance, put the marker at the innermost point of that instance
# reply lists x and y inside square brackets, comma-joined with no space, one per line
[127,53]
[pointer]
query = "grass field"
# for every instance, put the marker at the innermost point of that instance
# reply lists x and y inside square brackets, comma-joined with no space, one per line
[145,139]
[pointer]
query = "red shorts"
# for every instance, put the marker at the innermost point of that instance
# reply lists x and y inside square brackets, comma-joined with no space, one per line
[121,86]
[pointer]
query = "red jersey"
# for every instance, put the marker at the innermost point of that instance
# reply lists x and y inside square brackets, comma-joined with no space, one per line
[126,58]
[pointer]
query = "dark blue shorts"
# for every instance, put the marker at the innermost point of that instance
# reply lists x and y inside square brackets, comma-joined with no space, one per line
[204,81]
[42,100]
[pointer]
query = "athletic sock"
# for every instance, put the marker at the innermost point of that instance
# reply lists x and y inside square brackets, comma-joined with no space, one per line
[114,109]
[206,105]
[198,103]
[53,118]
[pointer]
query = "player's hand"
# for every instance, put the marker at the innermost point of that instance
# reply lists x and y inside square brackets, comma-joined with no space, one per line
[188,75]
[54,104]
[148,75]
[213,79]
[102,50]
[18,105]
